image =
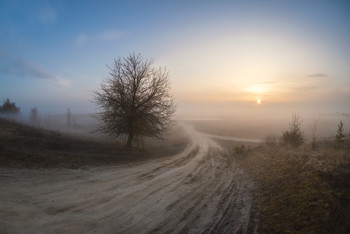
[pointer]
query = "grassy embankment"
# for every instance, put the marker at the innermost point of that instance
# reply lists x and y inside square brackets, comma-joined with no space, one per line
[27,147]
[300,190]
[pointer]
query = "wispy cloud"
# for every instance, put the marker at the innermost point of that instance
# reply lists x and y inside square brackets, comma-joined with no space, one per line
[318,75]
[81,39]
[304,88]
[265,82]
[25,68]
[110,35]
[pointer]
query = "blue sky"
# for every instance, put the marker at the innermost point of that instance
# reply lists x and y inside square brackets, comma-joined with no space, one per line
[293,55]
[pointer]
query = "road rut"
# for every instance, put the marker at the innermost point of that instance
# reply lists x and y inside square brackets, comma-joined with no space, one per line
[200,190]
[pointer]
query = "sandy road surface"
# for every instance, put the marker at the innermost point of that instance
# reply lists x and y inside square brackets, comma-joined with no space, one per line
[200,190]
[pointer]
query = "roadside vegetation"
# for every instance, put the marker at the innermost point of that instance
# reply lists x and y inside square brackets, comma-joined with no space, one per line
[23,146]
[300,188]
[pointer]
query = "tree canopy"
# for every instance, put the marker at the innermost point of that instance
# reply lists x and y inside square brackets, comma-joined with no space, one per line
[9,107]
[135,100]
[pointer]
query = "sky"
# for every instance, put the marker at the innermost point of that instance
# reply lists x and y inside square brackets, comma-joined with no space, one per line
[222,56]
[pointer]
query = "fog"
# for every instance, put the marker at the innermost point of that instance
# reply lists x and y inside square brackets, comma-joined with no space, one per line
[241,120]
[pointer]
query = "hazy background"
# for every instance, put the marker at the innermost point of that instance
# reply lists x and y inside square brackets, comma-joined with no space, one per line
[222,55]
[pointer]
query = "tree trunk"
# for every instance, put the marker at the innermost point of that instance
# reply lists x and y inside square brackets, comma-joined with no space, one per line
[130,139]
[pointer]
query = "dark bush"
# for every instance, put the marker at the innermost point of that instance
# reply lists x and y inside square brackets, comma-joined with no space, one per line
[294,136]
[9,107]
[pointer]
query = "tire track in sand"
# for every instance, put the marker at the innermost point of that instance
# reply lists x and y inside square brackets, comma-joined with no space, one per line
[200,190]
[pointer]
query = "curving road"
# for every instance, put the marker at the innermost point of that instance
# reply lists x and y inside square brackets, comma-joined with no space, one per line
[200,190]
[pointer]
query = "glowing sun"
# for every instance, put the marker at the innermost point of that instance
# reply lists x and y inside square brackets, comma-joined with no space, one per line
[258,101]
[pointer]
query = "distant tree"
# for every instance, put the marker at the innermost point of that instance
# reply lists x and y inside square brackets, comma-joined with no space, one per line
[9,107]
[34,117]
[294,136]
[313,133]
[69,118]
[135,100]
[340,133]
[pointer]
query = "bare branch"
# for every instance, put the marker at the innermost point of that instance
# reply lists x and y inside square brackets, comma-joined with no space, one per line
[135,100]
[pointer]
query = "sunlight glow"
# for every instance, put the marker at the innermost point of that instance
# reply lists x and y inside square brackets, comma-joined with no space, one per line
[257,89]
[258,101]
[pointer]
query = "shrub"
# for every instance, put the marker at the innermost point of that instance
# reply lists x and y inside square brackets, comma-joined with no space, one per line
[294,136]
[340,133]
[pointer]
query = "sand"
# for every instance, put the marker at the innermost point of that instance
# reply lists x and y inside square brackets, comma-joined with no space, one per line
[200,190]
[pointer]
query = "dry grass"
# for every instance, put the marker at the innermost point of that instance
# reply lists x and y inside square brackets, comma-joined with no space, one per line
[27,147]
[300,190]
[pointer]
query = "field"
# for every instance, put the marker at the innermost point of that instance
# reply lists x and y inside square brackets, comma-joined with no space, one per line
[298,190]
[301,190]
[191,182]
[27,147]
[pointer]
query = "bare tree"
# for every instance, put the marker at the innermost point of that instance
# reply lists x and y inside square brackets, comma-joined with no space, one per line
[34,117]
[313,133]
[69,118]
[135,100]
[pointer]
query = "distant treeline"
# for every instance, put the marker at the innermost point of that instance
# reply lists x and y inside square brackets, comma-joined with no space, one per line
[9,107]
[64,122]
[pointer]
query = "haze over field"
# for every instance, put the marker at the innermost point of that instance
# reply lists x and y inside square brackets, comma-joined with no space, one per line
[240,124]
[223,56]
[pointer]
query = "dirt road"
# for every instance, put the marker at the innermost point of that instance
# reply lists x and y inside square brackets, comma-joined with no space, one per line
[200,190]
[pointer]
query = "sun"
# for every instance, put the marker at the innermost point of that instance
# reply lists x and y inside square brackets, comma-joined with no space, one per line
[258,101]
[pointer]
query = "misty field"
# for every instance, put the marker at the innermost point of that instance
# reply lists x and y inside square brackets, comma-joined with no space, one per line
[174,116]
[191,182]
